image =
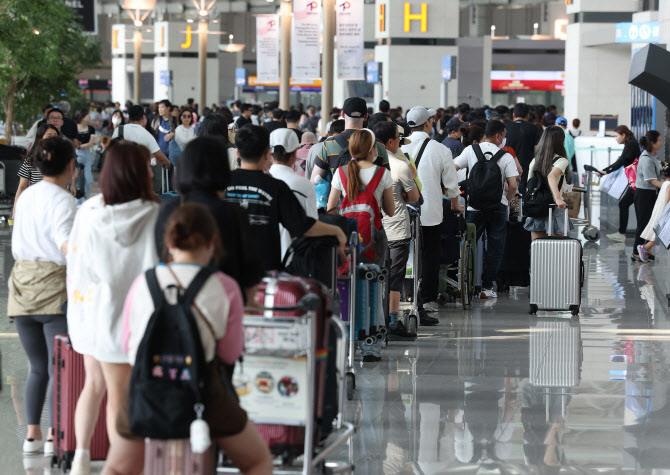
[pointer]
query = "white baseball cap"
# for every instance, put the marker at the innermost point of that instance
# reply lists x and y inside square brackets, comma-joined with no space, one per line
[419,115]
[287,138]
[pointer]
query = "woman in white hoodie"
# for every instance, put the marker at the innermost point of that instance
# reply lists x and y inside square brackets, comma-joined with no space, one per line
[110,244]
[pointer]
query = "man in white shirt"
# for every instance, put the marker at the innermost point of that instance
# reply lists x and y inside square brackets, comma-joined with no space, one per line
[487,213]
[284,143]
[436,170]
[30,136]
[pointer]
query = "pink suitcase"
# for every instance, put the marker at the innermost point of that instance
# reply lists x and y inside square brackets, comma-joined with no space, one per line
[69,375]
[174,457]
[285,290]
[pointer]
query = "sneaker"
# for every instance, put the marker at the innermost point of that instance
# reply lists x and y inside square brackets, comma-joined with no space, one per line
[397,331]
[49,448]
[32,446]
[81,465]
[618,237]
[642,252]
[427,321]
[488,294]
[431,307]
[636,258]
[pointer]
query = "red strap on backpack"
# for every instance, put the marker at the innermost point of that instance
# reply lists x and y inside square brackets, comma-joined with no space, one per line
[365,209]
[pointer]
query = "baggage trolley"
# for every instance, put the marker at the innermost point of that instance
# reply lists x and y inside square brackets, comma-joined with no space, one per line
[590,232]
[411,312]
[347,297]
[275,346]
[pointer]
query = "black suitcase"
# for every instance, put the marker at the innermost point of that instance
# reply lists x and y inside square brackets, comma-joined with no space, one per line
[515,266]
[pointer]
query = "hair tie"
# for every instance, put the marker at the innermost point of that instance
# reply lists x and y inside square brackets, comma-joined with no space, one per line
[354,159]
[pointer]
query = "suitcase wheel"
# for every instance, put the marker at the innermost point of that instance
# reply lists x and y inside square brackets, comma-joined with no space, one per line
[574,310]
[533,309]
[412,323]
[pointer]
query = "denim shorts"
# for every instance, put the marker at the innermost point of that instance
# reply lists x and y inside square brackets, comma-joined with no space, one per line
[542,224]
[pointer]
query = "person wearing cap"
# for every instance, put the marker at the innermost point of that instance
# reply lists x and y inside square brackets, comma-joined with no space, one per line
[436,170]
[307,143]
[354,113]
[334,129]
[284,144]
[562,122]
[453,139]
[397,227]
[268,201]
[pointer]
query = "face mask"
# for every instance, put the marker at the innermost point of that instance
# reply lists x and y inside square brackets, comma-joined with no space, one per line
[116,121]
[503,142]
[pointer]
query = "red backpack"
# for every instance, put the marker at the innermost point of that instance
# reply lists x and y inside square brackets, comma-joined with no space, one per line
[365,209]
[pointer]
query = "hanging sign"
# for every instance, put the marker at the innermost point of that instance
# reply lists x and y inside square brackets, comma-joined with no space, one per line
[267,48]
[305,59]
[350,40]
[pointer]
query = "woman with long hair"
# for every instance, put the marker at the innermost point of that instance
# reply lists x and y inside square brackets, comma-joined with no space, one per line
[28,173]
[216,125]
[363,182]
[647,185]
[631,151]
[111,243]
[552,164]
[37,284]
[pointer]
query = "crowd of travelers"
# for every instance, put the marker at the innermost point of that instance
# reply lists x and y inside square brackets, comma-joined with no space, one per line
[247,181]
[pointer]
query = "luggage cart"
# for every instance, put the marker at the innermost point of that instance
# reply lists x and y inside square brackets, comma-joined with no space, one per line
[590,232]
[346,295]
[411,311]
[273,340]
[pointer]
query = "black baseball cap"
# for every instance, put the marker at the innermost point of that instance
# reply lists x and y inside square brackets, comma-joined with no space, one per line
[453,124]
[355,107]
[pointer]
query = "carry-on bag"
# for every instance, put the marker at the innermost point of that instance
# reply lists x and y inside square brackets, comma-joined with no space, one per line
[284,290]
[69,376]
[556,271]
[174,456]
[515,266]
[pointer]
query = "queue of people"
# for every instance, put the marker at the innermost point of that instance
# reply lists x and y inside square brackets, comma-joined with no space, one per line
[91,271]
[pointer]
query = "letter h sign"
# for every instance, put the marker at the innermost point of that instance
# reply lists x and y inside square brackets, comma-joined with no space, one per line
[423,17]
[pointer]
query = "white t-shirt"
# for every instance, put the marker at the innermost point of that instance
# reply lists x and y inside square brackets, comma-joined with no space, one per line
[398,227]
[562,163]
[138,134]
[303,189]
[468,159]
[43,221]
[366,177]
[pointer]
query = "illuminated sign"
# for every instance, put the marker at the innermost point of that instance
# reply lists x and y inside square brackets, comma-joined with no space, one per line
[422,17]
[372,75]
[240,76]
[527,80]
[637,32]
[189,33]
[382,17]
[115,39]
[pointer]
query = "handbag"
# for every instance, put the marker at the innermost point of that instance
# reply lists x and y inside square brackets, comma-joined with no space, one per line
[631,173]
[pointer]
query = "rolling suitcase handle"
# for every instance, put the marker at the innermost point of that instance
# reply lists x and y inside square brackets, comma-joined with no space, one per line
[165,185]
[566,225]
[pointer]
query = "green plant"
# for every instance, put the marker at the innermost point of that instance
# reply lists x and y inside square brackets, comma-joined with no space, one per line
[42,49]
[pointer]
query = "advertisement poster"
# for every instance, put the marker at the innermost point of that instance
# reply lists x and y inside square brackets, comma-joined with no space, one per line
[267,48]
[273,390]
[349,29]
[306,58]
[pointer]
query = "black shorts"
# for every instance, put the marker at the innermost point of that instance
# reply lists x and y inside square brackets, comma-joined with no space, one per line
[399,251]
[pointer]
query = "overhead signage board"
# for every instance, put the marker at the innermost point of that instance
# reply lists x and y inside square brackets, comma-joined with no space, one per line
[372,74]
[527,80]
[647,32]
[240,76]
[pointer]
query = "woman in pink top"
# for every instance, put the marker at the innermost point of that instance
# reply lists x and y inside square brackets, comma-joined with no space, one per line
[192,239]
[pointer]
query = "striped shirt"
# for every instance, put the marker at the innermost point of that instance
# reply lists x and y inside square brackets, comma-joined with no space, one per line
[29,172]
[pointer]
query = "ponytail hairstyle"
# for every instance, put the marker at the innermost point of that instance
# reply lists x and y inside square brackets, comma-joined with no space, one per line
[361,144]
[647,141]
[625,131]
[191,227]
[53,155]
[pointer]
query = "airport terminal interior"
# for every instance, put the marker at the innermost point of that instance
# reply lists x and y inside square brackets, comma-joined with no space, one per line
[560,363]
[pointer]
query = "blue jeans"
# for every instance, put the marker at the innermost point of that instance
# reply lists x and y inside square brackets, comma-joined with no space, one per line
[494,222]
[85,157]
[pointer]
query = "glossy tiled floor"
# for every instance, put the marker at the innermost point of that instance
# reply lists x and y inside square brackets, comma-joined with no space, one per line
[491,390]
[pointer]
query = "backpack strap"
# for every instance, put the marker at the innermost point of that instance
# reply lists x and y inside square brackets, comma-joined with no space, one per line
[478,152]
[196,285]
[560,182]
[155,290]
[341,141]
[500,154]
[376,180]
[418,157]
[202,315]
[343,176]
[120,134]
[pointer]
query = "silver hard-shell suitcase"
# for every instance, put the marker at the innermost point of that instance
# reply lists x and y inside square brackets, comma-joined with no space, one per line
[556,272]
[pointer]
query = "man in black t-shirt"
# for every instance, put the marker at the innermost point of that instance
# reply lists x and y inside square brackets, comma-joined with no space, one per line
[523,137]
[269,202]
[245,117]
[277,121]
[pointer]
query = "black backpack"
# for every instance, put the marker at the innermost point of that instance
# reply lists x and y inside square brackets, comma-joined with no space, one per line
[344,156]
[539,197]
[170,362]
[485,182]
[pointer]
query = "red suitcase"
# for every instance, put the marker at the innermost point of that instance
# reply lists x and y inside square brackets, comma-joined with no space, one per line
[285,290]
[69,375]
[174,457]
